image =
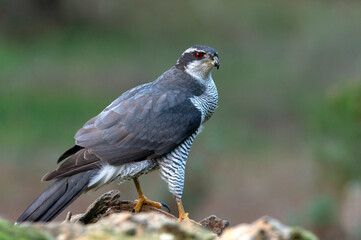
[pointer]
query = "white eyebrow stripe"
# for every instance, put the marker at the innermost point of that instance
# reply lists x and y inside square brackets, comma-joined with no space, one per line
[192,50]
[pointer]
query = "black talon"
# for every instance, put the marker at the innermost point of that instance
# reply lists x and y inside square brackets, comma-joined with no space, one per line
[166,206]
[133,210]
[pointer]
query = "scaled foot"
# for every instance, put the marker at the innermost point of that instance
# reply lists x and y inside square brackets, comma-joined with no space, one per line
[144,200]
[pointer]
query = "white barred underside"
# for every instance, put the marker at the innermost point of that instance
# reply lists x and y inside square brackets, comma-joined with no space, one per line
[172,166]
[207,103]
[122,173]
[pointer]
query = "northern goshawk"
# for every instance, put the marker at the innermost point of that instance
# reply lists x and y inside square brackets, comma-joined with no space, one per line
[151,126]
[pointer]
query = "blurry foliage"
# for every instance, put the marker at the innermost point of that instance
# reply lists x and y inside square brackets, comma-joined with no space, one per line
[62,62]
[268,51]
[43,116]
[335,126]
[321,211]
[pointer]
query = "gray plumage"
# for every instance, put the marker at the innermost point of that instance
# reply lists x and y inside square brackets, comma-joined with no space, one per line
[57,197]
[148,127]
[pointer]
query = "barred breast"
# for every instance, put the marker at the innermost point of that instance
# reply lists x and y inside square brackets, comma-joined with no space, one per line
[207,103]
[172,166]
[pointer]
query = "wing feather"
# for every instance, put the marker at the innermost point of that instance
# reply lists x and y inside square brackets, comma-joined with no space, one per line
[148,121]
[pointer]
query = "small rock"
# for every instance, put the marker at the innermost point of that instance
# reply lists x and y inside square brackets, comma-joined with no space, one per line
[266,228]
[214,224]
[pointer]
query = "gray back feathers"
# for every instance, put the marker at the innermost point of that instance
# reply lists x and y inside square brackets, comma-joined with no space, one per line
[147,121]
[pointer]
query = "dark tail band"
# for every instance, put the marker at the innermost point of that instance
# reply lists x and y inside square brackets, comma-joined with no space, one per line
[57,197]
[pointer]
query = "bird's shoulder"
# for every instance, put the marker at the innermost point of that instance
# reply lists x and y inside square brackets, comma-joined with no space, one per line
[171,93]
[176,78]
[150,119]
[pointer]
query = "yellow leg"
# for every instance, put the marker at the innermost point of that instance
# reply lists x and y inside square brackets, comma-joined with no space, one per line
[183,216]
[143,199]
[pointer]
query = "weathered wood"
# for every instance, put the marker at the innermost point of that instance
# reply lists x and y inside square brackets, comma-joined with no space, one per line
[111,202]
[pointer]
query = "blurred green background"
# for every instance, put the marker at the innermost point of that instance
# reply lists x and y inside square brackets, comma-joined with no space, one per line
[285,140]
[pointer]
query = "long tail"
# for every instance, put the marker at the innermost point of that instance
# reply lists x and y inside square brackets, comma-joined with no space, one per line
[57,197]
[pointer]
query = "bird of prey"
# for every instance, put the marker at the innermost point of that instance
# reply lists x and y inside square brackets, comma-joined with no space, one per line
[151,126]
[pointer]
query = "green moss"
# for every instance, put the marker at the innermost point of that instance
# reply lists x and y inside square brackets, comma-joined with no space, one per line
[301,234]
[10,232]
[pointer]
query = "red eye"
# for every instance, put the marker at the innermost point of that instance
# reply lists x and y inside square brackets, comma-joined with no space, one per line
[199,55]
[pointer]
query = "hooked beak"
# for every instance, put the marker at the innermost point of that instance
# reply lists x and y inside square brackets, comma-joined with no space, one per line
[216,62]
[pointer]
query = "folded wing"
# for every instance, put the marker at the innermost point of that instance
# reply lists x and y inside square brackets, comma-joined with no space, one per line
[145,122]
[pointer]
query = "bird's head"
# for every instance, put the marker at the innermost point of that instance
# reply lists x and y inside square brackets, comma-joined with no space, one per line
[198,61]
